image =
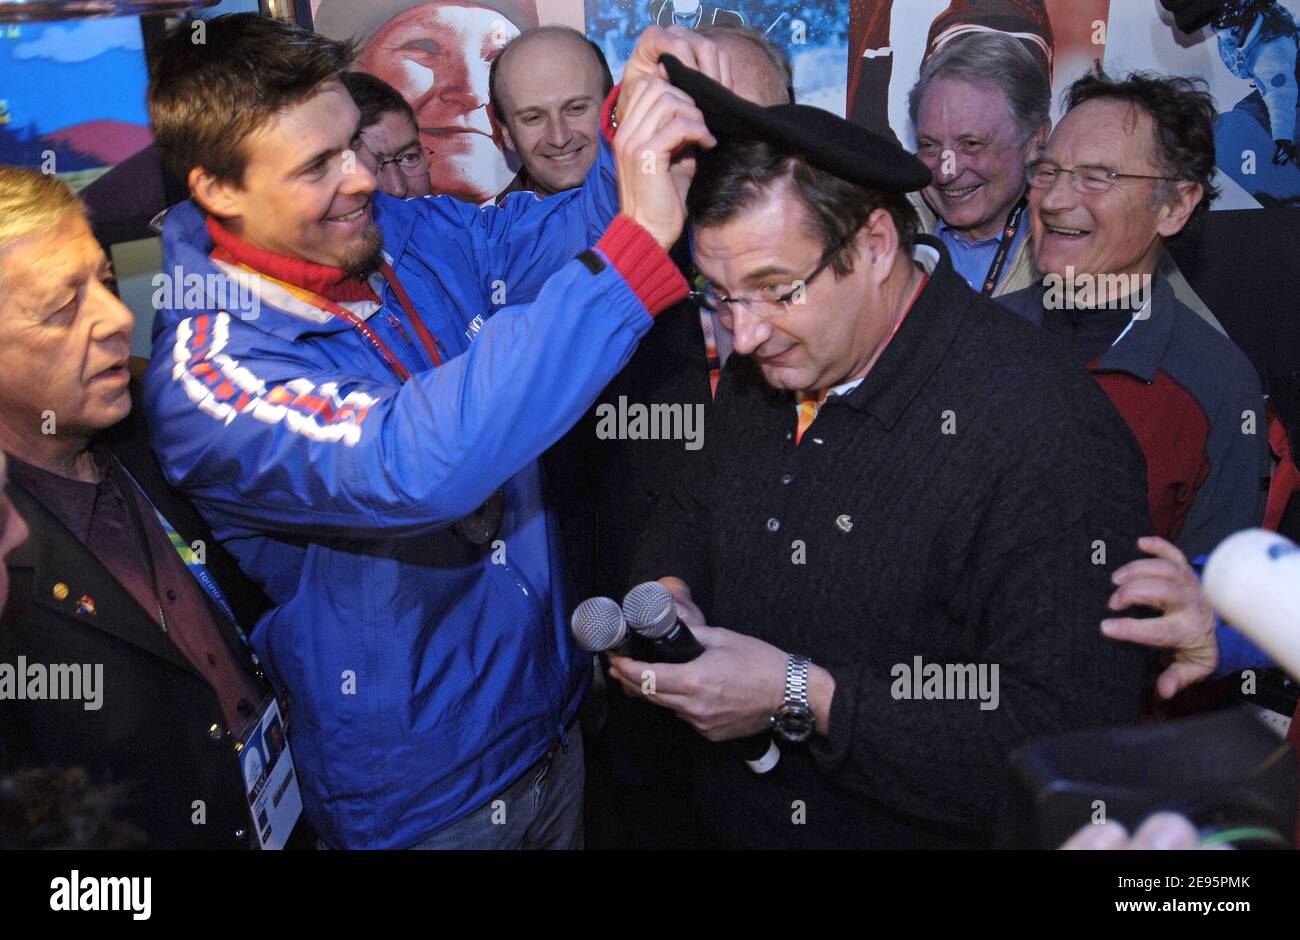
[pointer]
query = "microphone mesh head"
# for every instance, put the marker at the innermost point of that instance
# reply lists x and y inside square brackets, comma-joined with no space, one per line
[598,624]
[650,609]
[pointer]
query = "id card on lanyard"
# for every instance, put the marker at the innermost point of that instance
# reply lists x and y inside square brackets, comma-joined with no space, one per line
[265,761]
[270,783]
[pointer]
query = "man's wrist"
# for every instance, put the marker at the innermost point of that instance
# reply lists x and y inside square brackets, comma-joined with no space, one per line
[821,689]
[643,263]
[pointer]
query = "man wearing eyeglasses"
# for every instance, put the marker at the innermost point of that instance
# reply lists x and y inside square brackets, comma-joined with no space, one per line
[364,438]
[390,145]
[898,478]
[980,109]
[1128,168]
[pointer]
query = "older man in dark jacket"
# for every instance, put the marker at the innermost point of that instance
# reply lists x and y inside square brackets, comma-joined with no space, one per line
[905,517]
[100,591]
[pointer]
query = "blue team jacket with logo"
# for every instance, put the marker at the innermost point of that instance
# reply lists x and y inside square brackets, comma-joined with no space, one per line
[425,675]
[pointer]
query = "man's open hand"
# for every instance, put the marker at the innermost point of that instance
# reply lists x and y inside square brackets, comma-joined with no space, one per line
[654,155]
[1186,626]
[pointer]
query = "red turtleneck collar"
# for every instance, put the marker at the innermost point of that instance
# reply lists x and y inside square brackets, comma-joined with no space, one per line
[332,283]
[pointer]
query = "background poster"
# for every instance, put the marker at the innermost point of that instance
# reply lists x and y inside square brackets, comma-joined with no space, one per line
[72,96]
[72,102]
[891,37]
[1256,96]
[814,33]
[437,54]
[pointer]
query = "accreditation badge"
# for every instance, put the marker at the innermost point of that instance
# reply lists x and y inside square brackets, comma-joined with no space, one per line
[270,782]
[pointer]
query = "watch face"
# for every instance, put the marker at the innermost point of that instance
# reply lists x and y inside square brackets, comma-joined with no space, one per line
[793,722]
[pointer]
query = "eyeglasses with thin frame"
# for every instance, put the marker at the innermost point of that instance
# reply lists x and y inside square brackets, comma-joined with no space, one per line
[412,161]
[1042,174]
[770,301]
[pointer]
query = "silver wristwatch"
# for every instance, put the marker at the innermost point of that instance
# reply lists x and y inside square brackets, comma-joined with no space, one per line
[794,721]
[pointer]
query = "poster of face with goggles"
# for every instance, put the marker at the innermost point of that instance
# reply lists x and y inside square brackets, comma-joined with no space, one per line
[438,56]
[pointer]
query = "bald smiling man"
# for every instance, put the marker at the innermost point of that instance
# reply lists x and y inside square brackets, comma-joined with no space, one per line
[547,85]
[546,89]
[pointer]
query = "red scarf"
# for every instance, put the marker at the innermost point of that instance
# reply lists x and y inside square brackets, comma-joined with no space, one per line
[332,283]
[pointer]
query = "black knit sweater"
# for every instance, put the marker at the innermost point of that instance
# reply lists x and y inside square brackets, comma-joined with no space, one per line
[951,507]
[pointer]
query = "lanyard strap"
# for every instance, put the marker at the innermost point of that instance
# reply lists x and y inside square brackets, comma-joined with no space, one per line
[925,279]
[128,485]
[430,341]
[431,344]
[1004,247]
[711,351]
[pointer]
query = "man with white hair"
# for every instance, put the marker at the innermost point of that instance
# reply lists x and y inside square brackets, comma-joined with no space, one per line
[980,108]
[118,570]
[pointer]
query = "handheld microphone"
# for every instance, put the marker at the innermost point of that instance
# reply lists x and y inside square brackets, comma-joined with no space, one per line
[651,611]
[1253,581]
[598,625]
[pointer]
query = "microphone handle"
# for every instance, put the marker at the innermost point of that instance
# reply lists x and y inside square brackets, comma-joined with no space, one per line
[678,645]
[759,751]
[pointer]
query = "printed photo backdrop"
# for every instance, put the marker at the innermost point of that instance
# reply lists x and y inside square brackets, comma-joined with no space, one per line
[72,96]
[73,93]
[72,102]
[815,34]
[1248,57]
[857,58]
[437,54]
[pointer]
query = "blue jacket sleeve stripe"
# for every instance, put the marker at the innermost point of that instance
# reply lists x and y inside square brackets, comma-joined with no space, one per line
[272,441]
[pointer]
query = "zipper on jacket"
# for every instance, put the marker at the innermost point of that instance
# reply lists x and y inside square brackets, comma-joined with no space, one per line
[397,325]
[542,614]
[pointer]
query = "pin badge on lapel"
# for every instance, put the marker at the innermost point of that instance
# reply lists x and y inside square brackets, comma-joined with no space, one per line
[60,591]
[86,605]
[844,523]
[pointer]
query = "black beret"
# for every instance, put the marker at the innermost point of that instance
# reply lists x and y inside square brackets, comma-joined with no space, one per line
[1192,15]
[828,142]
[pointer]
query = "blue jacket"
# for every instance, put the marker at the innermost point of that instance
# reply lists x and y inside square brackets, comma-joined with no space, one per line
[425,676]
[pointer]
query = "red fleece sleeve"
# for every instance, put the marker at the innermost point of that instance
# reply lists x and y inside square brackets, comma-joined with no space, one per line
[644,265]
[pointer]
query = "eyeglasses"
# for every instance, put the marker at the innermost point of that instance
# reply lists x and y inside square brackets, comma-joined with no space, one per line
[768,302]
[1042,174]
[412,162]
